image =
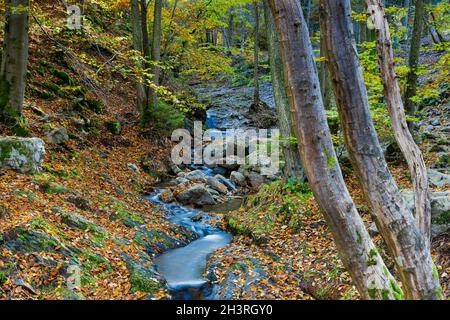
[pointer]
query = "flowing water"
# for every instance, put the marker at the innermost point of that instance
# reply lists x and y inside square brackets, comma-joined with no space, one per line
[183,268]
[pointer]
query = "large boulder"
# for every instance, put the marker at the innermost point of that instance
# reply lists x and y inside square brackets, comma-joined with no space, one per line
[215,184]
[226,182]
[167,196]
[196,176]
[438,179]
[440,202]
[440,212]
[22,154]
[255,180]
[238,178]
[197,195]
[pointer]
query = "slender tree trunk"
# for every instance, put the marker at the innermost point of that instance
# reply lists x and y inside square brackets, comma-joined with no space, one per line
[357,250]
[293,166]
[256,98]
[156,50]
[406,4]
[13,71]
[325,81]
[146,111]
[395,221]
[412,77]
[137,44]
[410,150]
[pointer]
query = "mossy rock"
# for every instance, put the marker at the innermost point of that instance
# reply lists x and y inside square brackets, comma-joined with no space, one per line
[54,89]
[144,279]
[114,127]
[25,240]
[81,104]
[22,154]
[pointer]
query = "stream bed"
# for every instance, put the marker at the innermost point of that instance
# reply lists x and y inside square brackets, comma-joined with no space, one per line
[183,267]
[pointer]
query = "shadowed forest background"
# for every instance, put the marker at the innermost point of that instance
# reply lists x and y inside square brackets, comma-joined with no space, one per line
[93,207]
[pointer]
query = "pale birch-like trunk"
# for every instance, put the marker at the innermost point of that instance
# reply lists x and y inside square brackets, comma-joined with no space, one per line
[395,221]
[410,150]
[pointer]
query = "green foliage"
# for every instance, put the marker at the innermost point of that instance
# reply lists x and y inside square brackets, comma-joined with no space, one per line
[164,118]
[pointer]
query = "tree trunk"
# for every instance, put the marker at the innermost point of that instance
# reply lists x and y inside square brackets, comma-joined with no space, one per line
[293,166]
[137,44]
[410,150]
[156,50]
[412,77]
[357,250]
[394,220]
[256,98]
[13,71]
[146,111]
[325,81]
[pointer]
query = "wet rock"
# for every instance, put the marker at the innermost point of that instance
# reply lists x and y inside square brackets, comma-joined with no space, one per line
[22,154]
[181,180]
[238,178]
[215,184]
[158,241]
[58,136]
[197,195]
[196,176]
[175,169]
[198,217]
[226,182]
[167,196]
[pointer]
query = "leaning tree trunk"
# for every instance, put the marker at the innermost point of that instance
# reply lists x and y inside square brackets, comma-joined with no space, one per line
[137,45]
[410,150]
[356,248]
[395,221]
[412,77]
[293,166]
[13,71]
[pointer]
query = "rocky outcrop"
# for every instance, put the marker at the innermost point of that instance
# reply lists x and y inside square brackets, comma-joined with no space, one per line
[238,178]
[196,195]
[438,179]
[215,184]
[22,154]
[440,212]
[196,176]
[58,136]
